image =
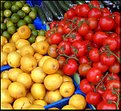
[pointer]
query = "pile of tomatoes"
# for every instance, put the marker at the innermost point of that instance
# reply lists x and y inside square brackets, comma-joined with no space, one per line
[87,41]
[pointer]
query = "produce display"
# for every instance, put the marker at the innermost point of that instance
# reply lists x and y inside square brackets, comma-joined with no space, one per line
[83,41]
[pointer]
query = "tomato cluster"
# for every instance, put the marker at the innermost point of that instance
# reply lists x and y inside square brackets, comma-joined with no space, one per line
[87,41]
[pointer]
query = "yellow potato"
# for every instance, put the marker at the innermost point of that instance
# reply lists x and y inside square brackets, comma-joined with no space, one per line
[67,78]
[26,49]
[17,90]
[3,40]
[3,58]
[68,107]
[53,108]
[13,73]
[40,38]
[5,96]
[53,96]
[78,101]
[5,74]
[5,83]
[14,59]
[6,106]
[29,95]
[38,56]
[15,37]
[53,81]
[38,91]
[36,107]
[38,75]
[9,47]
[40,102]
[21,103]
[67,89]
[25,79]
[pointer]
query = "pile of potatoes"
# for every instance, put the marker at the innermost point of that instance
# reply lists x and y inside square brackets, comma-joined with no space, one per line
[34,80]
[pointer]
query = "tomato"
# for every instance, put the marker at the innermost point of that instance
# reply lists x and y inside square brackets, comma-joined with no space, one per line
[66,28]
[94,55]
[101,89]
[113,84]
[106,23]
[83,69]
[64,48]
[82,10]
[95,12]
[93,98]
[89,35]
[85,86]
[117,30]
[83,29]
[93,23]
[52,50]
[78,48]
[60,30]
[61,61]
[53,24]
[118,39]
[94,75]
[111,42]
[70,67]
[103,105]
[95,3]
[108,95]
[99,37]
[117,17]
[83,60]
[48,33]
[74,36]
[103,68]
[106,59]
[70,13]
[56,38]
[105,12]
[115,68]
[62,23]
[113,35]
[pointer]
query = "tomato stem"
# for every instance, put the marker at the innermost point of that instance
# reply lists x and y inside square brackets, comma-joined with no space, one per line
[101,81]
[112,53]
[68,57]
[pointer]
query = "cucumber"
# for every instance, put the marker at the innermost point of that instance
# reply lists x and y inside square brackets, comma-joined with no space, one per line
[58,8]
[69,3]
[41,14]
[63,5]
[47,12]
[52,8]
[79,1]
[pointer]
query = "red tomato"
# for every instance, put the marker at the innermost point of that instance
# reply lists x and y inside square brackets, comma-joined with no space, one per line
[113,35]
[93,98]
[82,10]
[53,24]
[64,48]
[107,60]
[103,105]
[78,48]
[94,75]
[48,33]
[113,84]
[111,42]
[83,69]
[105,12]
[95,12]
[108,95]
[61,61]
[106,23]
[60,30]
[56,38]
[89,35]
[94,55]
[117,18]
[93,23]
[66,28]
[85,86]
[101,89]
[70,67]
[62,23]
[99,37]
[117,30]
[74,36]
[115,68]
[70,13]
[83,60]
[83,29]
[103,68]
[95,3]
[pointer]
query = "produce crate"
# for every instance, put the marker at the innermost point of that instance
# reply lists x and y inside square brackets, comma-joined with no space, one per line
[59,104]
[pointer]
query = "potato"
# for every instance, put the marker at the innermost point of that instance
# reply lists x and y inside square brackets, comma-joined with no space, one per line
[6,106]
[5,83]
[9,47]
